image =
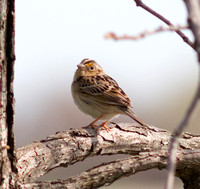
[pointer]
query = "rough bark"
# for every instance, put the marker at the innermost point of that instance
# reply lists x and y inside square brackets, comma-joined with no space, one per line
[7,57]
[148,149]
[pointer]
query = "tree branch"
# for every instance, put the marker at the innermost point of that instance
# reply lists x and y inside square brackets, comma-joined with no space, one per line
[175,140]
[99,176]
[149,148]
[193,7]
[144,34]
[66,148]
[162,18]
[108,173]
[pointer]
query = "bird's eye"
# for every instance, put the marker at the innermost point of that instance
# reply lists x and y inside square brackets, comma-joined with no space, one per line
[91,68]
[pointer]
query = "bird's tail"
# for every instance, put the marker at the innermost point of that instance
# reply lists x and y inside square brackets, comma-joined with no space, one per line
[134,117]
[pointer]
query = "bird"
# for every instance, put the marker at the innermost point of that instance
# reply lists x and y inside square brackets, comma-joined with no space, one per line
[98,95]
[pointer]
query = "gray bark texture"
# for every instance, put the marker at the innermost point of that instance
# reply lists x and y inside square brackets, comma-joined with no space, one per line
[147,147]
[7,56]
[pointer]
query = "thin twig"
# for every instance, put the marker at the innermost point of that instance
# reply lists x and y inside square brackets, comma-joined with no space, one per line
[196,31]
[193,7]
[159,16]
[144,34]
[176,135]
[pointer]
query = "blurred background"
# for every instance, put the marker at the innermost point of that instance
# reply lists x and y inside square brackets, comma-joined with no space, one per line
[159,72]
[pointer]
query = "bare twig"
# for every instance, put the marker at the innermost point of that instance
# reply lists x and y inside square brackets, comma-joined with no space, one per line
[162,18]
[193,7]
[144,34]
[175,139]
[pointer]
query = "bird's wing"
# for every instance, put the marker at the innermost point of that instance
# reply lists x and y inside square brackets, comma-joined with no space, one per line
[103,89]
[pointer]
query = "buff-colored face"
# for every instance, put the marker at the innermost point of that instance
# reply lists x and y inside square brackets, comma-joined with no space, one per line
[88,67]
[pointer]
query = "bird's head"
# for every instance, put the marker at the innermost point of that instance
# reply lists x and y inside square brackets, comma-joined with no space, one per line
[88,67]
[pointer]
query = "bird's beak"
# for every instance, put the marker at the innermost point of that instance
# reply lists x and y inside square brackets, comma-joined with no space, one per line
[80,66]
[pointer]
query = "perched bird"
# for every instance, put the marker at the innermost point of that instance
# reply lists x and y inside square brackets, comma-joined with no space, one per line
[98,95]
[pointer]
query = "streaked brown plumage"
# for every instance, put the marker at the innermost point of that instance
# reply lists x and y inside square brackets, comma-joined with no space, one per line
[98,95]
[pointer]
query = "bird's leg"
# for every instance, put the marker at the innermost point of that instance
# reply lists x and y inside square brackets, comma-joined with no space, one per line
[92,124]
[104,125]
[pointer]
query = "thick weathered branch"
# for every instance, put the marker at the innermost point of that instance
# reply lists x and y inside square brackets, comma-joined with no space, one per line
[69,147]
[109,172]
